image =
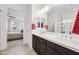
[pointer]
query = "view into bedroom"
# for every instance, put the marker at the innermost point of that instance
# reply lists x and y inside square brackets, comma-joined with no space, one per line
[15,27]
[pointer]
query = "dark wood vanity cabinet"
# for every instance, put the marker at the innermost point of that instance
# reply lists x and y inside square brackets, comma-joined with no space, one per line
[45,47]
[38,45]
[35,44]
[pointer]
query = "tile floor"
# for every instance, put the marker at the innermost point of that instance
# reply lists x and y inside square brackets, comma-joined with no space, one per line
[16,47]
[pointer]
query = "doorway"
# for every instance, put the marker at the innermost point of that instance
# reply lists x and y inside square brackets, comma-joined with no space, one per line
[15,26]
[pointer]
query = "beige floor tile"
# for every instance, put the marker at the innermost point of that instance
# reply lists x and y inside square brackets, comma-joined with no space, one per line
[17,47]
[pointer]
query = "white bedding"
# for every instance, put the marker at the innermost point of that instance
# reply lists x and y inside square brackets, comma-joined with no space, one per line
[14,35]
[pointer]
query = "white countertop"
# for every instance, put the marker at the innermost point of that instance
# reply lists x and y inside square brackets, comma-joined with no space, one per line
[60,40]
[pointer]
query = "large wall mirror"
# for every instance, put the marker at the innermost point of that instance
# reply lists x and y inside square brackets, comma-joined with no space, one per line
[61,18]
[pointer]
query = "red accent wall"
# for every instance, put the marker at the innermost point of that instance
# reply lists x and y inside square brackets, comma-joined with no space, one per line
[76,25]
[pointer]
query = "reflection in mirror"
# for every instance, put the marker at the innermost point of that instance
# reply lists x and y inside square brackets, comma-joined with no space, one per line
[41,24]
[38,24]
[61,21]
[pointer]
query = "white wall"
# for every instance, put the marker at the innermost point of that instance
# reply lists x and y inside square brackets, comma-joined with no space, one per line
[3,27]
[27,26]
[36,8]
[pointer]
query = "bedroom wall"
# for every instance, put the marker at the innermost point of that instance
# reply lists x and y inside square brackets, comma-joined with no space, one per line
[3,27]
[16,20]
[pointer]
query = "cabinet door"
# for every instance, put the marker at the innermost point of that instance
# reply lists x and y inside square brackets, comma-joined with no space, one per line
[34,42]
[37,44]
[66,51]
[50,51]
[42,46]
[60,49]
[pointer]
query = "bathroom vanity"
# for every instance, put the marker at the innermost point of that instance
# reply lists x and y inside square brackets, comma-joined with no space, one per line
[49,44]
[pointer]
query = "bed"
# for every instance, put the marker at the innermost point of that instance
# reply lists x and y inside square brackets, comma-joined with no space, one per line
[15,35]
